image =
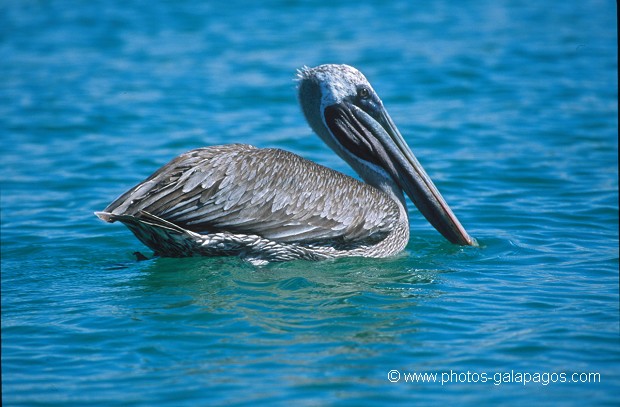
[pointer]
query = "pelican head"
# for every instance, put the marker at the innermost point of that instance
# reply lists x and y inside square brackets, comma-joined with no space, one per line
[345,111]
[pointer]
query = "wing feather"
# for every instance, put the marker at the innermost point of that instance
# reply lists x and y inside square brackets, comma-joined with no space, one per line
[268,192]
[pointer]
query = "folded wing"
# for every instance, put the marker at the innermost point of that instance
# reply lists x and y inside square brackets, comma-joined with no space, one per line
[267,192]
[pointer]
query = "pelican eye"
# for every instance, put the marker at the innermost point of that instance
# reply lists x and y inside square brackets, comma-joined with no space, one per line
[363,93]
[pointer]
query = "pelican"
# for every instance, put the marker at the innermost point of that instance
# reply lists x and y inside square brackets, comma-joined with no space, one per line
[267,204]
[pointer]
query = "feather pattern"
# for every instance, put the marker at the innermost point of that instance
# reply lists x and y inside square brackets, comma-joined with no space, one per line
[270,193]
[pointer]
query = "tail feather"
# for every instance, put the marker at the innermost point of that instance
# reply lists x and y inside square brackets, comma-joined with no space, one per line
[105,216]
[163,237]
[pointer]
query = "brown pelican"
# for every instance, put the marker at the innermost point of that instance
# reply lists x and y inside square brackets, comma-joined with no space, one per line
[266,204]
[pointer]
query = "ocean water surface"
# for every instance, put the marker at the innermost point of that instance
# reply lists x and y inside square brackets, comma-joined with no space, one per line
[512,108]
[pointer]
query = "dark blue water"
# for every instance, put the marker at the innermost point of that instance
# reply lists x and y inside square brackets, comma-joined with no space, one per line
[512,107]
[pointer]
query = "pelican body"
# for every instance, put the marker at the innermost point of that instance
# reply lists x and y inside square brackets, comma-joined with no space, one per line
[266,204]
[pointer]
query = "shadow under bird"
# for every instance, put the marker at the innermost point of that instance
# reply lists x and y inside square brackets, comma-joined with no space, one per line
[266,204]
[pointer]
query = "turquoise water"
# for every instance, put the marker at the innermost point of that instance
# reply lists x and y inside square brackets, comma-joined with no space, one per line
[512,107]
